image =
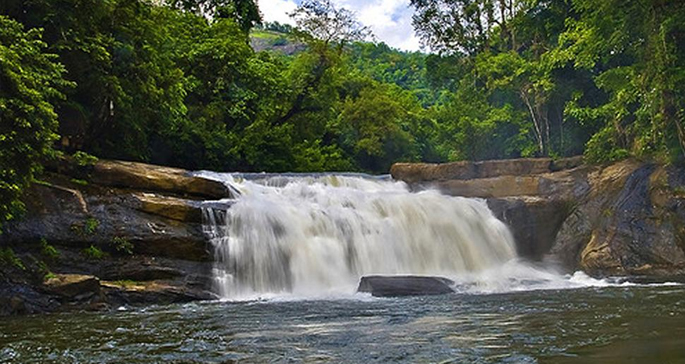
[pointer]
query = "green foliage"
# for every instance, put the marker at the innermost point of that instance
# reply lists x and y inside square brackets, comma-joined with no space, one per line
[79,181]
[122,245]
[7,256]
[93,253]
[91,224]
[84,159]
[48,250]
[30,81]
[177,83]
[88,227]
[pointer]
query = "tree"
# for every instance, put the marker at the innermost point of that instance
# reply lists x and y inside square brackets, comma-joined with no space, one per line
[636,52]
[244,12]
[375,125]
[320,20]
[30,81]
[467,26]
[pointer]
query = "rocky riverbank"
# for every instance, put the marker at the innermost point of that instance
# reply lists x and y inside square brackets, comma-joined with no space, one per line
[626,218]
[108,234]
[119,233]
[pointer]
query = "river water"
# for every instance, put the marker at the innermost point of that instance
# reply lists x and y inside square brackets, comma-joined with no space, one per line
[289,253]
[624,324]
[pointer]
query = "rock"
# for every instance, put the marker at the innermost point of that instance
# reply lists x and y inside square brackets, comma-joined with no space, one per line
[534,221]
[632,223]
[156,225]
[153,292]
[503,186]
[74,286]
[625,218]
[423,172]
[136,271]
[393,286]
[146,177]
[170,207]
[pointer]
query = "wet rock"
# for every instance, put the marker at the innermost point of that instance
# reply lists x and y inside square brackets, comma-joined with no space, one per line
[73,286]
[394,286]
[534,221]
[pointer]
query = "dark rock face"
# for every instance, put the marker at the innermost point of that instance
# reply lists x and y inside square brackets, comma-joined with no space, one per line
[627,218]
[145,221]
[534,222]
[395,286]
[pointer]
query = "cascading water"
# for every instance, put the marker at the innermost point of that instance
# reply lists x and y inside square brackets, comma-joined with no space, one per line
[312,235]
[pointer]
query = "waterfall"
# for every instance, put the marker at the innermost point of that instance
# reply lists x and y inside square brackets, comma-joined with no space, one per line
[320,233]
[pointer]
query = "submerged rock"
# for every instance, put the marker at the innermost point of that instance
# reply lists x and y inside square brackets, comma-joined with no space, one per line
[395,286]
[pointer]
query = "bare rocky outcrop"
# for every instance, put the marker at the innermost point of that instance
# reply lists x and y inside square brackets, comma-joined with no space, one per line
[626,218]
[132,230]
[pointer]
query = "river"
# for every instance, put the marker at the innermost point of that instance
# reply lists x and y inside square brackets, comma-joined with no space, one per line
[625,324]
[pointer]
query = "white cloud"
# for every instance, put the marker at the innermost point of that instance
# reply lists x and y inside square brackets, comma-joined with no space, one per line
[389,20]
[277,10]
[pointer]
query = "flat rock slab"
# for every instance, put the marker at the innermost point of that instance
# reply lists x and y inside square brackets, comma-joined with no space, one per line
[396,286]
[73,285]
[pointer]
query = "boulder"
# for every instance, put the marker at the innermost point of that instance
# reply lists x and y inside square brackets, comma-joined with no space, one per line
[73,285]
[394,286]
[147,177]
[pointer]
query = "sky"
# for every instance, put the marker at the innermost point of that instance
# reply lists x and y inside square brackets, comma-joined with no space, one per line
[389,20]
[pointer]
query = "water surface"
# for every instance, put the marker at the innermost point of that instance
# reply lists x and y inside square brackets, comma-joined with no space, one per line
[635,324]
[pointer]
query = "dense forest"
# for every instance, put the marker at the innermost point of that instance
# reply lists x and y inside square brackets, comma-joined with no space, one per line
[178,83]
